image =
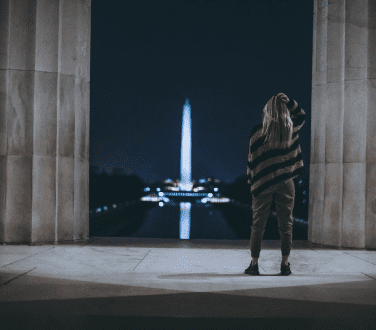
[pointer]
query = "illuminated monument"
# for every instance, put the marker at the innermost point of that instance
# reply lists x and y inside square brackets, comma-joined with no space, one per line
[185,156]
[185,171]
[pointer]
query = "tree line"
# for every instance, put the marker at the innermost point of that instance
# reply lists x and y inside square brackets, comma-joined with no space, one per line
[114,188]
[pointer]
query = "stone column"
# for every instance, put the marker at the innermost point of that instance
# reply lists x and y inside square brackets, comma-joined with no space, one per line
[44,120]
[342,203]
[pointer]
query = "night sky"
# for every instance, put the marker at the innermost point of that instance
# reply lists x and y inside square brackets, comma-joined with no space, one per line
[227,57]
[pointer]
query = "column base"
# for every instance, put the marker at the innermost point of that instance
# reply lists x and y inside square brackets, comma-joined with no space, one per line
[335,247]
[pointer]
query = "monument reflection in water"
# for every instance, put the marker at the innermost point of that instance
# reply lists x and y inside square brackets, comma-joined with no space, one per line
[185,171]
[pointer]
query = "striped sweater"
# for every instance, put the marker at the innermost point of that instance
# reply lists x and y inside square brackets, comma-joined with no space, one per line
[268,169]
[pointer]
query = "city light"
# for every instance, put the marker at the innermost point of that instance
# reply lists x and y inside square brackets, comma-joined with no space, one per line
[210,195]
[161,204]
[114,206]
[215,200]
[158,189]
[150,199]
[184,194]
[173,188]
[147,189]
[215,189]
[160,194]
[105,207]
[220,200]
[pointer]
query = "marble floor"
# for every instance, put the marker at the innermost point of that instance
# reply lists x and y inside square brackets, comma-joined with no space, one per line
[177,278]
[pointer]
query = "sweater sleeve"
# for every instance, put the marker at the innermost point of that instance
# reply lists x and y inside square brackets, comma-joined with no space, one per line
[297,115]
[249,173]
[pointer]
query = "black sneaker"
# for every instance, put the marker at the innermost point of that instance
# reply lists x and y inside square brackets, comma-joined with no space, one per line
[252,270]
[285,270]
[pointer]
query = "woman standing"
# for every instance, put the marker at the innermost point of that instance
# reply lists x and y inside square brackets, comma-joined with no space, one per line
[274,160]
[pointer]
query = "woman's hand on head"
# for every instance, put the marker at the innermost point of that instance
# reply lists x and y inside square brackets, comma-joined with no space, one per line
[283,98]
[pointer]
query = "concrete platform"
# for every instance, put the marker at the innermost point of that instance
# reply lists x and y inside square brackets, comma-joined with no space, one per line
[197,281]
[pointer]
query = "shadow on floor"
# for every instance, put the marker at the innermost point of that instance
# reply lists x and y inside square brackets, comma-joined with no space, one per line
[67,322]
[132,307]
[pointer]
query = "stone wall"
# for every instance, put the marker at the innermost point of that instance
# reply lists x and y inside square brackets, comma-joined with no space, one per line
[44,120]
[342,203]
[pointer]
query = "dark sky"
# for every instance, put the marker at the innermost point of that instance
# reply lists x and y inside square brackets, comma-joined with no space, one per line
[227,57]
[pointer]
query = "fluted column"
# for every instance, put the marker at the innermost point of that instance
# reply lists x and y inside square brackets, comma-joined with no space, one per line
[44,120]
[342,205]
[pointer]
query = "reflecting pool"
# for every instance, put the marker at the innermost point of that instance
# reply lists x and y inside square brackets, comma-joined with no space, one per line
[186,220]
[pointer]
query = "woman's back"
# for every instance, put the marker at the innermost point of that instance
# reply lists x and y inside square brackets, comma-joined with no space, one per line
[274,156]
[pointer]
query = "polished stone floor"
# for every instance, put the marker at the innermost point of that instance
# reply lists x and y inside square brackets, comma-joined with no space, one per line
[186,279]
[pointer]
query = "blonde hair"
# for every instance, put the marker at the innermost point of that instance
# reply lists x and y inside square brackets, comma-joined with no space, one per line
[277,125]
